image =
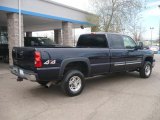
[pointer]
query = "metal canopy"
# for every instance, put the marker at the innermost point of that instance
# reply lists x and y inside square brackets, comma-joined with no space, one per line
[40,15]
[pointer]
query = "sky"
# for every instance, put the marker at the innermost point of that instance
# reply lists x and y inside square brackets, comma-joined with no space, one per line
[151,18]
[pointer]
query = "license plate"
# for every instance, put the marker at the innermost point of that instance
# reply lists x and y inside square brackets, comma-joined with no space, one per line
[21,72]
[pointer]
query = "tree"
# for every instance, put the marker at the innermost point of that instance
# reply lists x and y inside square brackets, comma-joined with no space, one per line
[116,15]
[135,28]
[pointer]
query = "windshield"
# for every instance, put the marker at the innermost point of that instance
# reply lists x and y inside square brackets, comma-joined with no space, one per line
[3,40]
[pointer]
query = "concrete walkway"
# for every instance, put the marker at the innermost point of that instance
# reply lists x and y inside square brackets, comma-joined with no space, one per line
[4,68]
[112,97]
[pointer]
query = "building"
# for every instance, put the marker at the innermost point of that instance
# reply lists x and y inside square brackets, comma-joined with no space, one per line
[25,16]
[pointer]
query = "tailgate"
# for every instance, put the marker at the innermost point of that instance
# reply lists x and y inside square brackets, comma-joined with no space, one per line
[23,57]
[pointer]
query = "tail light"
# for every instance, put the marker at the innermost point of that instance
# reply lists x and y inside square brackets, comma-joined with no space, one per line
[37,59]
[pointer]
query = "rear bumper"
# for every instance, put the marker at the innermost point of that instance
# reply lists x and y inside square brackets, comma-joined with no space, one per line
[23,74]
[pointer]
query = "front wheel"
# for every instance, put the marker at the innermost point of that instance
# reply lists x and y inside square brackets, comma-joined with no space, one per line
[73,83]
[146,70]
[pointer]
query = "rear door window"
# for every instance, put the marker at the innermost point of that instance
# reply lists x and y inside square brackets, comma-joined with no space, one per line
[115,41]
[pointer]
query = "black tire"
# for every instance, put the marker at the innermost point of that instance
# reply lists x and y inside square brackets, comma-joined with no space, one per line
[42,83]
[73,83]
[6,59]
[146,70]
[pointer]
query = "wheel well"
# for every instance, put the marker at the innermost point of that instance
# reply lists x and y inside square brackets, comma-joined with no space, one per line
[81,66]
[150,59]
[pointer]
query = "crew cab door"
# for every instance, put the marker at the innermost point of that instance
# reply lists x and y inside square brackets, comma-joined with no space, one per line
[96,49]
[117,52]
[134,56]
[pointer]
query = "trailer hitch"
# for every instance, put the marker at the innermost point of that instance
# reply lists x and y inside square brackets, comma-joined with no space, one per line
[19,79]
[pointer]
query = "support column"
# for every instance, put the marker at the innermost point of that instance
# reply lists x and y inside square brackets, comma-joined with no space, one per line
[13,33]
[67,34]
[28,34]
[58,36]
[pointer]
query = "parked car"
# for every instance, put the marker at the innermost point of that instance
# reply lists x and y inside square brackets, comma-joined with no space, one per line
[28,42]
[95,54]
[37,41]
[145,47]
[155,49]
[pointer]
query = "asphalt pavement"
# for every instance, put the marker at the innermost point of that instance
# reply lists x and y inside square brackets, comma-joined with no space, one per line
[110,97]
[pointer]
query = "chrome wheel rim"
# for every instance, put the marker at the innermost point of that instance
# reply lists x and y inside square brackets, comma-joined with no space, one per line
[75,83]
[147,70]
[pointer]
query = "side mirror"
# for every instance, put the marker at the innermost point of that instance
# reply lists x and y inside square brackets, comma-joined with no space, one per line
[141,45]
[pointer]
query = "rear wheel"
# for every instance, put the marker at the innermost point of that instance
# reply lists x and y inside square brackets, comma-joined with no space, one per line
[73,83]
[146,70]
[6,59]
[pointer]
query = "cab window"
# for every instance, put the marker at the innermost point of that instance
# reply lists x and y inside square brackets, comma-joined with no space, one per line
[92,40]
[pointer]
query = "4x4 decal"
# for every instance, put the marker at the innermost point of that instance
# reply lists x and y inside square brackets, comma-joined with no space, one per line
[50,62]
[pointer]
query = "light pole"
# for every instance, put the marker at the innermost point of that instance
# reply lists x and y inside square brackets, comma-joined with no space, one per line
[159,29]
[19,12]
[151,28]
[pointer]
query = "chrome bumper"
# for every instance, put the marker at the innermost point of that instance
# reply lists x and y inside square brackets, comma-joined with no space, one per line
[23,74]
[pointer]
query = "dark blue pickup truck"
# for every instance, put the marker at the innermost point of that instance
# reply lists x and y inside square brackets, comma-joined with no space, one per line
[95,54]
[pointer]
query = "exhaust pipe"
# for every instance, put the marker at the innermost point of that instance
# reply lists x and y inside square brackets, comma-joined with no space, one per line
[49,84]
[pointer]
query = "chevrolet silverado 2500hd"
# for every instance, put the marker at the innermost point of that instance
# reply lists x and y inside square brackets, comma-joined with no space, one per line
[95,54]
